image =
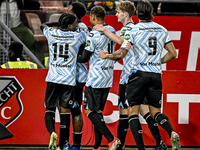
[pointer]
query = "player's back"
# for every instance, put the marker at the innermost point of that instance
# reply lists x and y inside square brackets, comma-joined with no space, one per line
[63,50]
[148,40]
[100,70]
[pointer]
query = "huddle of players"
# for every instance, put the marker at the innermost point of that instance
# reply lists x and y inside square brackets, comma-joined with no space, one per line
[71,46]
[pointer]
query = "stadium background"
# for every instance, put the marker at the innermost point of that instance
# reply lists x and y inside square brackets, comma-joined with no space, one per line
[23,112]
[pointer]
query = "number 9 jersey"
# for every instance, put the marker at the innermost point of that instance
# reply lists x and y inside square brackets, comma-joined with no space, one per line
[63,51]
[148,40]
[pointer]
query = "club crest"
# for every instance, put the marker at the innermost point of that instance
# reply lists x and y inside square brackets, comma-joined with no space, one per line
[11,106]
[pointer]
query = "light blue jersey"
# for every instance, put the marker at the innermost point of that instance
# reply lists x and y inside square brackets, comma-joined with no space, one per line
[148,39]
[100,73]
[81,74]
[63,50]
[127,61]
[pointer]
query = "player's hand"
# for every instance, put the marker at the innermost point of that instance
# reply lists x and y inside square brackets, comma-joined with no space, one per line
[98,27]
[103,54]
[127,45]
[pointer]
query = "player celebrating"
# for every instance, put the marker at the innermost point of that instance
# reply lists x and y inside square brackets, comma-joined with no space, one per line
[124,13]
[63,45]
[148,39]
[79,10]
[100,78]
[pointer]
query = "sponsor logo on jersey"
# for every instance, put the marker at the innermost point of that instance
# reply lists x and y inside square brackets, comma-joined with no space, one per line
[123,31]
[88,43]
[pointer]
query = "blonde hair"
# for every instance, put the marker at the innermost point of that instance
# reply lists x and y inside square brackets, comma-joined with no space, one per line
[127,6]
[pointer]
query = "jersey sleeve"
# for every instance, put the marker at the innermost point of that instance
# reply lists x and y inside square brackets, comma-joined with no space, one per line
[168,39]
[46,31]
[90,42]
[127,39]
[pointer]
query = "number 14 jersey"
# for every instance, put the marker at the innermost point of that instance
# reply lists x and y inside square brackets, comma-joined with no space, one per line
[63,50]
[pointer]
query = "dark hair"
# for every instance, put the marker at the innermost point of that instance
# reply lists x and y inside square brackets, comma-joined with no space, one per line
[66,19]
[79,9]
[127,6]
[16,47]
[99,12]
[145,10]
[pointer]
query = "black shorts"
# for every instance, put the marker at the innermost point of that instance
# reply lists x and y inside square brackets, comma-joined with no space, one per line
[64,94]
[144,84]
[122,100]
[95,98]
[79,92]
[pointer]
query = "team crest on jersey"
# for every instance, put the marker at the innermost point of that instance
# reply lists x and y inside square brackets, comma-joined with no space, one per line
[10,103]
[88,43]
[127,37]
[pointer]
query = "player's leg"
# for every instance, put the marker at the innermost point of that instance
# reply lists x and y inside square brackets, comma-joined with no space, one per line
[123,126]
[95,100]
[77,127]
[135,126]
[64,126]
[135,90]
[67,98]
[153,127]
[51,100]
[165,123]
[67,145]
[98,135]
[50,126]
[154,98]
[77,118]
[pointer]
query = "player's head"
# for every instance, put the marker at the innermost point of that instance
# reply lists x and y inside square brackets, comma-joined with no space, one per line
[15,48]
[78,9]
[97,14]
[126,6]
[67,21]
[144,10]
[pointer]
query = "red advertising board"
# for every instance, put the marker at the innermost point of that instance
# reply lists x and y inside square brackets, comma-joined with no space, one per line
[22,93]
[181,102]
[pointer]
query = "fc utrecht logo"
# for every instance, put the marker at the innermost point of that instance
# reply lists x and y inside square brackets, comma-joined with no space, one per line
[11,106]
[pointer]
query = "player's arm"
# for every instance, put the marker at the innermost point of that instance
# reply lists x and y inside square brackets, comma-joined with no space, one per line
[112,36]
[170,55]
[84,57]
[117,55]
[48,24]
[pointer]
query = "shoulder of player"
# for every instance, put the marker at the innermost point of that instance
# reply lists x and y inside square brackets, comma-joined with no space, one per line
[46,28]
[160,26]
[109,27]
